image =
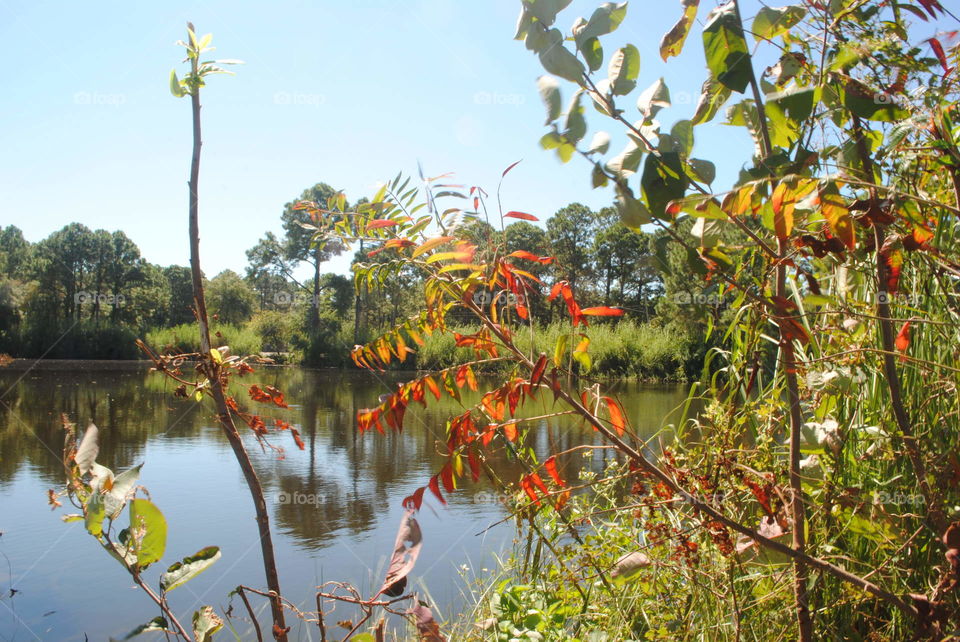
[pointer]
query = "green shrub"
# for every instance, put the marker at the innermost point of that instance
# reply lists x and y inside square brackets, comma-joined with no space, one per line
[186,338]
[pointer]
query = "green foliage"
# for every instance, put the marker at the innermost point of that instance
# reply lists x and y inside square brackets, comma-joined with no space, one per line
[229,298]
[184,339]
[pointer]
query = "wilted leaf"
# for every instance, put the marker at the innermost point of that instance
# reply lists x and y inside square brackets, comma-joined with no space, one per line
[205,623]
[672,42]
[628,565]
[406,549]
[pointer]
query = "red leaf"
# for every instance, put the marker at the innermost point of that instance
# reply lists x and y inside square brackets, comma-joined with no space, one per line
[941,56]
[555,290]
[296,438]
[435,489]
[530,256]
[446,476]
[381,222]
[616,415]
[551,467]
[474,462]
[527,485]
[538,370]
[413,502]
[512,165]
[603,311]
[903,337]
[523,216]
[535,478]
[510,430]
[931,6]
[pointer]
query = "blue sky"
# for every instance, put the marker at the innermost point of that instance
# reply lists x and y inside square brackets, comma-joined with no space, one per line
[348,93]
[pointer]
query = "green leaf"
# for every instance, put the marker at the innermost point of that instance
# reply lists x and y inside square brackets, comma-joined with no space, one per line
[549,90]
[605,19]
[672,42]
[626,162]
[122,485]
[188,568]
[205,623]
[175,87]
[682,133]
[703,170]
[653,99]
[598,178]
[94,513]
[770,22]
[725,47]
[712,97]
[558,60]
[866,103]
[600,143]
[575,126]
[560,349]
[623,70]
[633,213]
[545,10]
[663,181]
[148,532]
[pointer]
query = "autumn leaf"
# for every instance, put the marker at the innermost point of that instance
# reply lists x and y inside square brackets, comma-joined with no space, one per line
[530,256]
[523,216]
[616,415]
[550,465]
[435,489]
[602,311]
[381,222]
[903,338]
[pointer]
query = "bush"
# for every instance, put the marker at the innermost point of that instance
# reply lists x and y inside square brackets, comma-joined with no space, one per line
[186,338]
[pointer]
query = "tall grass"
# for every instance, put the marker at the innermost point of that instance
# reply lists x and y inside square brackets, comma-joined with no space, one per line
[185,338]
[627,349]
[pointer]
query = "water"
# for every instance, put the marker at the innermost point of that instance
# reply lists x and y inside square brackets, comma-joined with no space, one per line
[335,506]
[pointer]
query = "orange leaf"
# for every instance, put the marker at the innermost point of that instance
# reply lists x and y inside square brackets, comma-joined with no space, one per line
[527,485]
[551,467]
[296,438]
[530,256]
[510,430]
[523,216]
[903,337]
[603,311]
[381,222]
[432,385]
[616,415]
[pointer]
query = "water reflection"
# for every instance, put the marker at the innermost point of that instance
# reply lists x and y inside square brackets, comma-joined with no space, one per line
[335,505]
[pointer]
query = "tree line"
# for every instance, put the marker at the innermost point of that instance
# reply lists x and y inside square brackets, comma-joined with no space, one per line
[83,293]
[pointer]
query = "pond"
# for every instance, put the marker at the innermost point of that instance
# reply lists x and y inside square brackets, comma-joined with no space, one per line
[335,506]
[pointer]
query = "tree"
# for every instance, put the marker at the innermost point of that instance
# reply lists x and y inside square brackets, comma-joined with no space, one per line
[230,298]
[180,305]
[623,264]
[299,246]
[570,232]
[14,252]
[268,272]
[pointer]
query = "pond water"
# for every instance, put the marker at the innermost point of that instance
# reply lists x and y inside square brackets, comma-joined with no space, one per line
[335,506]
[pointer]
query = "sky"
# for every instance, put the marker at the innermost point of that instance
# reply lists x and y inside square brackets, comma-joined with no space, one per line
[347,93]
